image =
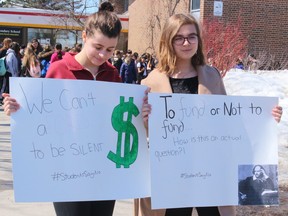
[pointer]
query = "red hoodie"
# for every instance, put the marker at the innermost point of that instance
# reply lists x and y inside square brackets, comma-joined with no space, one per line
[69,68]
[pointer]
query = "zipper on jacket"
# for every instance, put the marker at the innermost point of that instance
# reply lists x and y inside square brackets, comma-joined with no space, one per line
[95,77]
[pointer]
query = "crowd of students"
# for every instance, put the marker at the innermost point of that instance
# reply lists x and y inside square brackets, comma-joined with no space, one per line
[132,67]
[31,60]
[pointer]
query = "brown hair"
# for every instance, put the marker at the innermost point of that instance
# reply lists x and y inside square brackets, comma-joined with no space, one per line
[167,57]
[6,43]
[29,56]
[15,46]
[105,20]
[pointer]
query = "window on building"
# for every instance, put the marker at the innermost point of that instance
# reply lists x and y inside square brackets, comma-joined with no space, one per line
[126,5]
[67,38]
[195,8]
[195,4]
[44,36]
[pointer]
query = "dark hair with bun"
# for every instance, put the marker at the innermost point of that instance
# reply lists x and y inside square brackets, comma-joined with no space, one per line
[106,6]
[58,47]
[105,20]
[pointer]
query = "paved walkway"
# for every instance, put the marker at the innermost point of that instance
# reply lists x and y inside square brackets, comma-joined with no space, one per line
[7,205]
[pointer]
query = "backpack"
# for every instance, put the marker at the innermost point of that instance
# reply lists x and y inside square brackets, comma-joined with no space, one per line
[35,70]
[45,65]
[3,68]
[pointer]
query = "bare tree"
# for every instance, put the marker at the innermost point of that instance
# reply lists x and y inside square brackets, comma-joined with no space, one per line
[268,61]
[159,12]
[67,13]
[75,10]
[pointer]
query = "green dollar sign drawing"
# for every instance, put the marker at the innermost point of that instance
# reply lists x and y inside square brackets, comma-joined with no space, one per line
[122,126]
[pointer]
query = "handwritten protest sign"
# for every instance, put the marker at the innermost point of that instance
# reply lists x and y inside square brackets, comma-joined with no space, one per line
[203,146]
[78,140]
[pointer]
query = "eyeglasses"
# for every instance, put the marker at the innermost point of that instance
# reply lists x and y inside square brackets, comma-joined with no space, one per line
[180,40]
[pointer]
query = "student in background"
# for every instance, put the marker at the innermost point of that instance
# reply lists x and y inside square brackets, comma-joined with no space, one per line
[37,48]
[128,71]
[30,63]
[13,63]
[117,60]
[239,64]
[76,48]
[252,63]
[58,54]
[46,54]
[44,59]
[5,46]
[141,68]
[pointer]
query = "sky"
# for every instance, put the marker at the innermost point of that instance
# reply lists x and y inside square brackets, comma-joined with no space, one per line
[265,83]
[93,8]
[92,5]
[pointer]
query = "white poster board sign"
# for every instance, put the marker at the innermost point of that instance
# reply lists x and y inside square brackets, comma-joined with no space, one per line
[76,140]
[203,147]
